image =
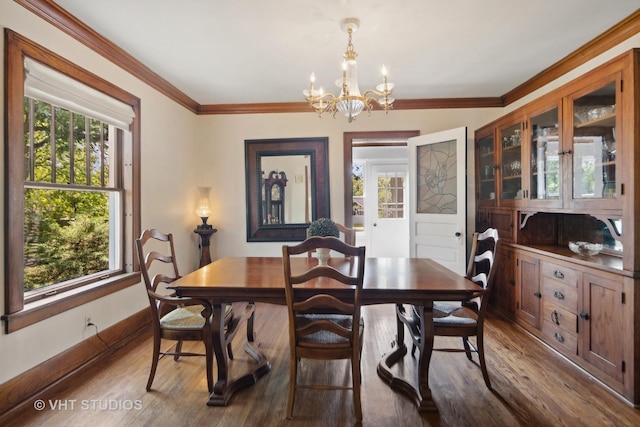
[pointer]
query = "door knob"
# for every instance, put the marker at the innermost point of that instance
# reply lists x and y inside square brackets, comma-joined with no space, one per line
[458,234]
[375,224]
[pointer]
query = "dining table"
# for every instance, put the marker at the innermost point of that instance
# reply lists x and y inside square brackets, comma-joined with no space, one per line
[415,281]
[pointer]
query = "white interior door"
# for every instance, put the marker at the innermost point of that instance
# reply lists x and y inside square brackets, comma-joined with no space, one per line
[437,182]
[386,210]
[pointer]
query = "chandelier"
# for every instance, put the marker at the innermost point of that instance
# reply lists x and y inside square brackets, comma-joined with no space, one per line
[350,102]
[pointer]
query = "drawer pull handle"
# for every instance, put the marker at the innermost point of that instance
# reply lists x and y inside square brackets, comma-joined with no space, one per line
[558,337]
[555,317]
[558,274]
[537,294]
[584,315]
[558,294]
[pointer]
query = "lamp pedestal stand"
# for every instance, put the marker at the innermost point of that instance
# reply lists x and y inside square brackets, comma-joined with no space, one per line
[205,236]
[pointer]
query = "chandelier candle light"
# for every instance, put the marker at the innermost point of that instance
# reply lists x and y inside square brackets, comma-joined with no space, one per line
[350,102]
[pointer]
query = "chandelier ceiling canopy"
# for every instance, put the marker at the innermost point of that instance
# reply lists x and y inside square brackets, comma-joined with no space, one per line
[350,102]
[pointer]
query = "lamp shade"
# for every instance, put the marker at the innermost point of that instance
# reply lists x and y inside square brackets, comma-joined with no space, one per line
[203,209]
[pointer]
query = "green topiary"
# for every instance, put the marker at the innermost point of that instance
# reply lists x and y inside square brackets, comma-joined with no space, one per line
[323,227]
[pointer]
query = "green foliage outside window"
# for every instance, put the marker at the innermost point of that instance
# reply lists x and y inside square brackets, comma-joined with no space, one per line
[66,231]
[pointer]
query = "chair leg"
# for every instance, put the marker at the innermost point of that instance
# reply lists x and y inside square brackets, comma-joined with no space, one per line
[154,362]
[178,350]
[355,379]
[483,364]
[293,372]
[467,349]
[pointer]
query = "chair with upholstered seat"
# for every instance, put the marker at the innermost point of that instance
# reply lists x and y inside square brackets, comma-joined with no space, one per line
[322,326]
[174,318]
[464,319]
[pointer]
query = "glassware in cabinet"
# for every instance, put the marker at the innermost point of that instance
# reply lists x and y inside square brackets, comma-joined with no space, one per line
[544,157]
[594,149]
[511,162]
[486,168]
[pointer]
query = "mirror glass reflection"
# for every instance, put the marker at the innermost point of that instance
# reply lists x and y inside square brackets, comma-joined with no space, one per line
[286,189]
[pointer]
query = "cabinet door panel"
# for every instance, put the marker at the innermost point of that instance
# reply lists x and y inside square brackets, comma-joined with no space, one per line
[503,292]
[601,319]
[596,116]
[503,221]
[545,159]
[529,296]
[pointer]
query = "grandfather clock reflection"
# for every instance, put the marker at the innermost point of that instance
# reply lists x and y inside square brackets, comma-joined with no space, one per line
[273,197]
[204,230]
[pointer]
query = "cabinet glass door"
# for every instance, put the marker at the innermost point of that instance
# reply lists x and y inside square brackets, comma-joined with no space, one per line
[594,144]
[511,177]
[486,169]
[545,159]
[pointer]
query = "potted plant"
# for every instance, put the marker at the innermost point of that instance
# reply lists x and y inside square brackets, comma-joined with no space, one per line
[323,227]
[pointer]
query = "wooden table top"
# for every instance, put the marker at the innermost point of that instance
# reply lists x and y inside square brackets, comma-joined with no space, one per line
[387,280]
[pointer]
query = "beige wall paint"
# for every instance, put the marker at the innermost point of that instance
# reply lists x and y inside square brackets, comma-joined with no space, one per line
[221,143]
[181,151]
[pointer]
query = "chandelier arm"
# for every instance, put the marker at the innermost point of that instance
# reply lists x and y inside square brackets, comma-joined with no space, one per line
[375,92]
[322,97]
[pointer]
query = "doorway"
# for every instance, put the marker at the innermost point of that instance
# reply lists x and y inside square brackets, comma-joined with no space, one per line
[380,209]
[383,225]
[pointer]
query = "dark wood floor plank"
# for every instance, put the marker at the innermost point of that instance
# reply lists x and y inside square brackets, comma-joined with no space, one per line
[532,386]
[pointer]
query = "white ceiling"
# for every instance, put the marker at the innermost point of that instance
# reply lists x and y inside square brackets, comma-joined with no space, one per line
[263,51]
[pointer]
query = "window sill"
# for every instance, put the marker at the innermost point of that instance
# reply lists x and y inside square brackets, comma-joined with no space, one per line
[43,309]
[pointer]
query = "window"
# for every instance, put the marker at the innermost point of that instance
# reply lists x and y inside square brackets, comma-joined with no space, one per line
[390,195]
[72,200]
[73,207]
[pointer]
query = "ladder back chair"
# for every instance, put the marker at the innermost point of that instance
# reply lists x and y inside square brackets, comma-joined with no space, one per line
[348,236]
[323,326]
[174,318]
[464,319]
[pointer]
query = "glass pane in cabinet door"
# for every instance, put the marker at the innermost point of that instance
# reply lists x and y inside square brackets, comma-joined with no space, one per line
[487,170]
[511,163]
[594,144]
[545,161]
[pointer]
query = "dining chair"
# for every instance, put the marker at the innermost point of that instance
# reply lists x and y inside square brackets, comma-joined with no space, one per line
[174,318]
[464,319]
[323,326]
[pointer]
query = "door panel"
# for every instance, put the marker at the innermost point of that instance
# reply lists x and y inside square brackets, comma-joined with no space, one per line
[386,210]
[437,194]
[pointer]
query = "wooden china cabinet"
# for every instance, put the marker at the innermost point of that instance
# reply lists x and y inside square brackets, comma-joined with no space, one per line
[562,169]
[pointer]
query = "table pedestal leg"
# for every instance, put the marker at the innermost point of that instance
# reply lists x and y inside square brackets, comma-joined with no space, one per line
[223,388]
[422,394]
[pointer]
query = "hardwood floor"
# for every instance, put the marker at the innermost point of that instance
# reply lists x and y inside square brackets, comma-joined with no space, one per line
[532,386]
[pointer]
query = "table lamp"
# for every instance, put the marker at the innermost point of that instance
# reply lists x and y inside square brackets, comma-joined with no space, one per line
[205,230]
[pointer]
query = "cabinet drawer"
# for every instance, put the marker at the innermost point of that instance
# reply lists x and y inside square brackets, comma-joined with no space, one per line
[559,338]
[557,293]
[561,318]
[560,273]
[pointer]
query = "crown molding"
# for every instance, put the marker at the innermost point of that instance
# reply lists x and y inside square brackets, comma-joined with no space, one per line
[63,20]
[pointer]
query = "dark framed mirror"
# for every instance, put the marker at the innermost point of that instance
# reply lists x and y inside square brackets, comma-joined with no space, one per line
[287,187]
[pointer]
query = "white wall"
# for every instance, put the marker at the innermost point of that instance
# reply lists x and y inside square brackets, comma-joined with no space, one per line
[168,195]
[181,151]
